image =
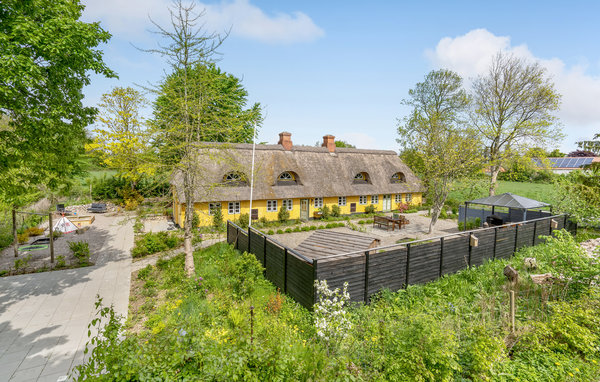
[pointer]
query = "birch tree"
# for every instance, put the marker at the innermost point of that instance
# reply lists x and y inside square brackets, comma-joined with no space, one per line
[435,132]
[192,106]
[513,107]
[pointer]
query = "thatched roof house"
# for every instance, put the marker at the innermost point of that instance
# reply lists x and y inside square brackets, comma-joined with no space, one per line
[317,172]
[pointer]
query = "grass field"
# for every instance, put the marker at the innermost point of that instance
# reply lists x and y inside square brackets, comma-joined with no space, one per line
[539,191]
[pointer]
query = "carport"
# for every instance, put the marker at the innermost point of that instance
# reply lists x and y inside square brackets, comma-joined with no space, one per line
[508,200]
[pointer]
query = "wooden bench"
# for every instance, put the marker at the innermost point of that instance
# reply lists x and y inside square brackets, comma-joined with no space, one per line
[383,221]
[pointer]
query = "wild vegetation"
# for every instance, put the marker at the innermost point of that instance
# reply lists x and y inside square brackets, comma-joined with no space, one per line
[227,322]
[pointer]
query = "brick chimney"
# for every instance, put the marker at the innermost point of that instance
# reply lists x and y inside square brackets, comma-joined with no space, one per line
[329,142]
[285,139]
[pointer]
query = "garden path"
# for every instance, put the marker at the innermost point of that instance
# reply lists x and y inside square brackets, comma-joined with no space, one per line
[44,316]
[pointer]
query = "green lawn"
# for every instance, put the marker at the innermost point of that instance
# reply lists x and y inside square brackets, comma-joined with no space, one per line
[464,190]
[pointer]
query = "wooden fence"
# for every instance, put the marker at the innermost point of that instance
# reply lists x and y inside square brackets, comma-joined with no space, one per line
[392,267]
[288,270]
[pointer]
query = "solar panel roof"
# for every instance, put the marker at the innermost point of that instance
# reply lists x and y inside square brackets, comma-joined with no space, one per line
[567,162]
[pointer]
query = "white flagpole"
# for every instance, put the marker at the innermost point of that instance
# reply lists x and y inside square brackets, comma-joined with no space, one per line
[252,174]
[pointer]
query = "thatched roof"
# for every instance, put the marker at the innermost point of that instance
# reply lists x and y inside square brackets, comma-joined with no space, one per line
[319,172]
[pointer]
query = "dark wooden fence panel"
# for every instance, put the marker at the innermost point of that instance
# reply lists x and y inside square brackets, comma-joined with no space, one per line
[505,242]
[349,269]
[485,248]
[387,270]
[274,264]
[456,254]
[525,235]
[424,263]
[561,223]
[300,281]
[242,241]
[542,228]
[257,246]
[231,234]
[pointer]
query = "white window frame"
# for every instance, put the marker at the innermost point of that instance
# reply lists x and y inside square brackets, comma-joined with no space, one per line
[213,206]
[233,208]
[287,204]
[408,198]
[362,200]
[318,202]
[374,199]
[271,205]
[341,201]
[398,198]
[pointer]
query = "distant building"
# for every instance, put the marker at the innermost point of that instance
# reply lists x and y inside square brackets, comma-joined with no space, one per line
[565,165]
[301,179]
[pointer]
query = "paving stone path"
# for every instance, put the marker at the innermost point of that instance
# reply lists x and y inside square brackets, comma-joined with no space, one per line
[44,316]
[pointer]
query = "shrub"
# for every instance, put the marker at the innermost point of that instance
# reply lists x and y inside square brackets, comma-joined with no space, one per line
[335,211]
[270,232]
[60,262]
[305,228]
[21,264]
[81,251]
[280,231]
[244,220]
[361,222]
[144,272]
[313,227]
[195,220]
[322,226]
[34,231]
[288,230]
[411,210]
[283,215]
[23,237]
[329,225]
[325,212]
[297,229]
[155,242]
[443,213]
[217,218]
[370,209]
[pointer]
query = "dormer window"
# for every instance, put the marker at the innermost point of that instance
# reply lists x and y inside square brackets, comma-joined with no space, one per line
[287,178]
[235,178]
[398,178]
[361,178]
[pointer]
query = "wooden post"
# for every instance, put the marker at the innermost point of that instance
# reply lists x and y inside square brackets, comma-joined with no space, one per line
[15,237]
[516,239]
[512,310]
[285,257]
[441,256]
[51,231]
[366,296]
[249,229]
[470,246]
[534,232]
[495,241]
[315,278]
[407,265]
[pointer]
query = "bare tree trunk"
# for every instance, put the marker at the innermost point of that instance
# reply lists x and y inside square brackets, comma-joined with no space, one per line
[494,179]
[187,236]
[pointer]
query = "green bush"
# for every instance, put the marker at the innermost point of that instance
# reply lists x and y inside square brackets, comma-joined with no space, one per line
[145,272]
[60,262]
[154,242]
[244,220]
[217,218]
[322,226]
[288,230]
[361,222]
[313,227]
[279,231]
[270,232]
[283,215]
[335,211]
[305,228]
[370,209]
[81,251]
[297,229]
[325,212]
[23,238]
[34,231]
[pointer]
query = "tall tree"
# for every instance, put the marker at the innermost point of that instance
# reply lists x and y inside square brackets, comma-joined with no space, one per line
[122,141]
[512,109]
[195,103]
[46,56]
[592,145]
[435,133]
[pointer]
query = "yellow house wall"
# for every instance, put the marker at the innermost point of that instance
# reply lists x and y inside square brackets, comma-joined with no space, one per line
[206,219]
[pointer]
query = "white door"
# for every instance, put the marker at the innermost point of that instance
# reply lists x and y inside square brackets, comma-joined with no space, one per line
[387,202]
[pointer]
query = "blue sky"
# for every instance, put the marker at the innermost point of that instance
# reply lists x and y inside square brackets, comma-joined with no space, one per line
[343,67]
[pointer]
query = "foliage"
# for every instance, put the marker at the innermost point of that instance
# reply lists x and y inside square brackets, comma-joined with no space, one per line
[577,194]
[335,211]
[332,321]
[512,109]
[370,209]
[122,142]
[47,57]
[340,143]
[471,224]
[60,262]
[217,219]
[244,220]
[452,329]
[581,153]
[81,251]
[34,231]
[283,215]
[435,131]
[325,212]
[23,238]
[592,145]
[154,242]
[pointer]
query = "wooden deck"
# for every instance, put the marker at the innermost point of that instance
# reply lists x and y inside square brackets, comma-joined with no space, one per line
[324,243]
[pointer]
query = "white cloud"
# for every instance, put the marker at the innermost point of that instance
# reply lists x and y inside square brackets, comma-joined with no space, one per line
[245,20]
[470,55]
